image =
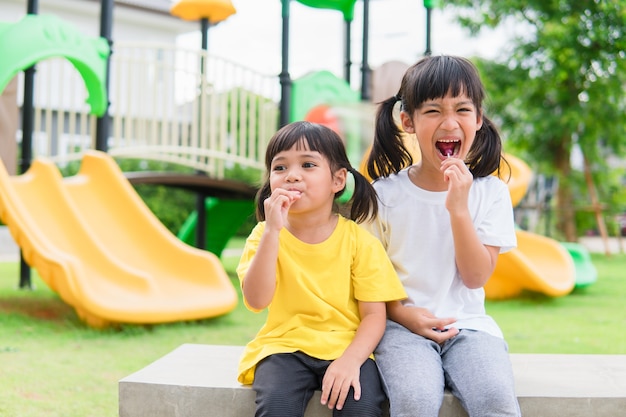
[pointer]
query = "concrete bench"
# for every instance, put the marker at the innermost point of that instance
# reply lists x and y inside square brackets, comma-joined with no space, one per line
[200,381]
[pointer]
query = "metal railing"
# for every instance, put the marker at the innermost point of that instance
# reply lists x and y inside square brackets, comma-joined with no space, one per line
[168,104]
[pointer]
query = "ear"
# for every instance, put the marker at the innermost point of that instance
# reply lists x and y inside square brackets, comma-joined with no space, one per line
[407,122]
[339,180]
[479,121]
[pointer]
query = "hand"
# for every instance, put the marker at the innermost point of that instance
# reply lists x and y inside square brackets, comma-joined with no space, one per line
[421,321]
[459,179]
[277,207]
[340,375]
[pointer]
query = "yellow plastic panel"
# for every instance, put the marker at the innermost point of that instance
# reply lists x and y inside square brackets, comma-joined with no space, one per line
[538,264]
[93,240]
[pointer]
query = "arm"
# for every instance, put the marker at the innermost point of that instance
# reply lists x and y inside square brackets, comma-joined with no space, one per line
[259,283]
[345,371]
[421,321]
[475,261]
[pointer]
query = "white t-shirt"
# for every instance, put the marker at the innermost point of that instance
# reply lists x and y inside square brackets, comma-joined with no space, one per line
[414,226]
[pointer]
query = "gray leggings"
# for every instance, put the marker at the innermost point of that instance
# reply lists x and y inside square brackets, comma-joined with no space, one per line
[473,365]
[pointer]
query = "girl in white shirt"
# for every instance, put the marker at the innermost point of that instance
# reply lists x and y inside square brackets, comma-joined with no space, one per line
[443,221]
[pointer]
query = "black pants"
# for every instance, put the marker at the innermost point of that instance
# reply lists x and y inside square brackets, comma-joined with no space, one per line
[285,382]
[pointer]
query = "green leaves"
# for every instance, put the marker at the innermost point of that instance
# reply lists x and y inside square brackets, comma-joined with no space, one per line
[561,85]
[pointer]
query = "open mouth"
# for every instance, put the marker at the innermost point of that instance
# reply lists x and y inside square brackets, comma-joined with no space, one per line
[448,147]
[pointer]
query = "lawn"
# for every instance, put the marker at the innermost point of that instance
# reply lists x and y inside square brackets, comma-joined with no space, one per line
[52,365]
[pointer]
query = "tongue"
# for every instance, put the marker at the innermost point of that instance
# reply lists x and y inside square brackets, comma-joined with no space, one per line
[446,148]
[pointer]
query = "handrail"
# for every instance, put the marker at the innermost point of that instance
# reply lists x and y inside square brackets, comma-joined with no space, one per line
[162,109]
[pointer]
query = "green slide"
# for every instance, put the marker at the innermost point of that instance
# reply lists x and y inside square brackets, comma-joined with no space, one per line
[586,272]
[223,219]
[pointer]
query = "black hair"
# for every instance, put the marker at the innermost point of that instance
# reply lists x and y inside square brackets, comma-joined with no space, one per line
[430,78]
[319,138]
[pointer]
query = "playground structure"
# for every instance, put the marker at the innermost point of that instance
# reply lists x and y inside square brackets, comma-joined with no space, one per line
[95,243]
[94,225]
[85,234]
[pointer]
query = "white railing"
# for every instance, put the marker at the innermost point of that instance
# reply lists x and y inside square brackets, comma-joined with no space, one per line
[162,108]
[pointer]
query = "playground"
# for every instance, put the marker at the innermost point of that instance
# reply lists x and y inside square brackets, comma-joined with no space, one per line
[112,279]
[94,225]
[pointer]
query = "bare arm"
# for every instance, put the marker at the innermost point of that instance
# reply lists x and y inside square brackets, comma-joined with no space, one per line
[345,371]
[259,283]
[475,261]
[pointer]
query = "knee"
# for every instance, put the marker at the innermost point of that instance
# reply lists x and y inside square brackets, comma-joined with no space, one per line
[494,404]
[415,403]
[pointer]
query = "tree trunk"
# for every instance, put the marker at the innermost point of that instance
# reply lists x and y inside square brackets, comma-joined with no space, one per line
[597,207]
[566,217]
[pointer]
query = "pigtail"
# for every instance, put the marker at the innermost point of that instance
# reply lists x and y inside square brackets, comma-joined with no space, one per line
[388,154]
[485,155]
[363,203]
[264,193]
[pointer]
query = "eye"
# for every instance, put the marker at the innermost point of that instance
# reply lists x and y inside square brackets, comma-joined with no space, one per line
[278,168]
[308,165]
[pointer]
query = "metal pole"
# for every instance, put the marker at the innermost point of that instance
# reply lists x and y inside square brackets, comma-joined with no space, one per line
[365,69]
[201,196]
[348,47]
[103,124]
[428,51]
[285,79]
[32,7]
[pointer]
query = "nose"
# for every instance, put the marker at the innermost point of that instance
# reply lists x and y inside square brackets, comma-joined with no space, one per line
[449,121]
[293,175]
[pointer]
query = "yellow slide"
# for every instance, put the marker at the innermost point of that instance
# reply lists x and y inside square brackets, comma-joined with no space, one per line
[538,264]
[94,242]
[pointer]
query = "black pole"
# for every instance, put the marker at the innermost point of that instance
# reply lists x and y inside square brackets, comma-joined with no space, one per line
[201,197]
[103,124]
[32,7]
[428,51]
[285,79]
[348,47]
[365,69]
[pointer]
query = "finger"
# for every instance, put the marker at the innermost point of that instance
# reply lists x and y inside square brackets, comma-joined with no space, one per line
[324,398]
[357,390]
[441,323]
[343,394]
[441,336]
[333,396]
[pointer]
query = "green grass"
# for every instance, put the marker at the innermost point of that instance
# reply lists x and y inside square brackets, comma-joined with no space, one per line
[52,365]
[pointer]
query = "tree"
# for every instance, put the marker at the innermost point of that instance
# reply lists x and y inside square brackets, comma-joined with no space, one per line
[561,84]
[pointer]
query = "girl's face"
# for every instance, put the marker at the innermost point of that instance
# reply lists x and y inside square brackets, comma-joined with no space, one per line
[444,127]
[306,173]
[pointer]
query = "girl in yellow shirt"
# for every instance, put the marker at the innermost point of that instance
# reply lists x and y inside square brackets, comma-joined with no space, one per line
[323,279]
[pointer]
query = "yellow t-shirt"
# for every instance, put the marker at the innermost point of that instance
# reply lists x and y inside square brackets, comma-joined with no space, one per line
[315,307]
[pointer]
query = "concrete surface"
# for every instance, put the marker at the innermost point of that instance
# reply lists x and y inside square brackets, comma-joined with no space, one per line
[200,380]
